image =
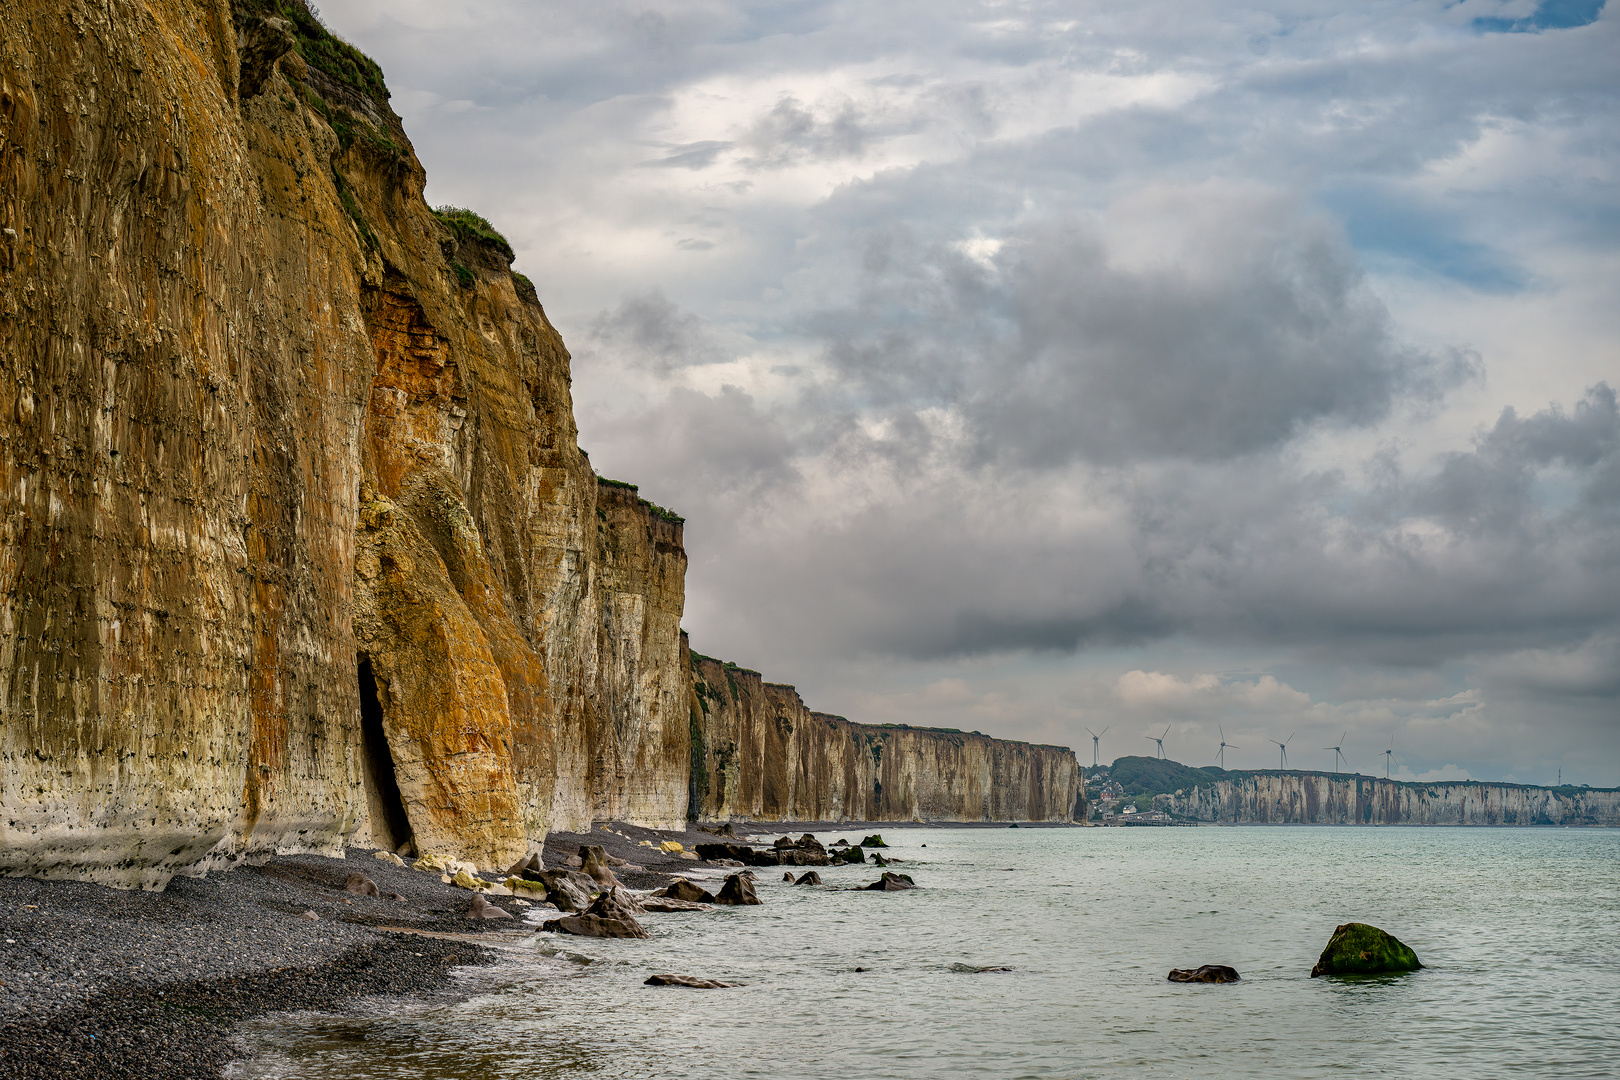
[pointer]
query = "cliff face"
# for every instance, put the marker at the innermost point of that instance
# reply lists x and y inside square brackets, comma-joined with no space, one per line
[297,544]
[759,754]
[1320,798]
[295,535]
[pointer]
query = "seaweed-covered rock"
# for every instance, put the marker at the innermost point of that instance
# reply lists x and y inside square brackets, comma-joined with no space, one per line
[737,891]
[891,882]
[1209,973]
[875,840]
[850,855]
[1358,949]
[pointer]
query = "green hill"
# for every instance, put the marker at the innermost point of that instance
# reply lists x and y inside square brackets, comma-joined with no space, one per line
[1159,776]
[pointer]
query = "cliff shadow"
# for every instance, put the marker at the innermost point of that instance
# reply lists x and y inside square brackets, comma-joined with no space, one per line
[390,826]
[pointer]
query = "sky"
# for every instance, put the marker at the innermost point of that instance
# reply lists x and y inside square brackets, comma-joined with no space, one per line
[1046,368]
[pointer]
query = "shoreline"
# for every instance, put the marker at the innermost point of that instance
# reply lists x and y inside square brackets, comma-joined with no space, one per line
[100,982]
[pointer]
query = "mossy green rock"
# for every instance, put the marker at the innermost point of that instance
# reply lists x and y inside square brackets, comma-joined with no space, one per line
[1358,949]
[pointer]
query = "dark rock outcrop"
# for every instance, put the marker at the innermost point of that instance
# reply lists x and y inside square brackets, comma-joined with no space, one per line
[594,864]
[1359,949]
[682,889]
[613,915]
[849,855]
[1209,973]
[891,882]
[737,891]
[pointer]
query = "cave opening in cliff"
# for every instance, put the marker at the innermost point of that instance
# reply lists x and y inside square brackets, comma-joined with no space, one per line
[390,825]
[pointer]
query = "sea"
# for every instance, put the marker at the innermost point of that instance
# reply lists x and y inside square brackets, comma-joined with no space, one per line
[1518,931]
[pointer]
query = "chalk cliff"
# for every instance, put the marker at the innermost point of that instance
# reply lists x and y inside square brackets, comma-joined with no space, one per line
[759,754]
[295,535]
[1337,799]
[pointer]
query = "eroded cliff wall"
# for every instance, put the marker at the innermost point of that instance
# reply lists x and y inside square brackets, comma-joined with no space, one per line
[295,535]
[1320,798]
[759,754]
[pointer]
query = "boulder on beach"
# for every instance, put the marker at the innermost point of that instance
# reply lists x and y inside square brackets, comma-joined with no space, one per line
[567,890]
[737,891]
[1209,973]
[483,909]
[686,980]
[891,882]
[682,889]
[1358,949]
[530,863]
[875,840]
[388,857]
[360,885]
[672,847]
[809,877]
[594,864]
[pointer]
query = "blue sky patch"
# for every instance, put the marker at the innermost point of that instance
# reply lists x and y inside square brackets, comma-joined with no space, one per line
[1549,15]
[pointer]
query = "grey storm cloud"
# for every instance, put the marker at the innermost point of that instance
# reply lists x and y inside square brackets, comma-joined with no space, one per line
[1068,336]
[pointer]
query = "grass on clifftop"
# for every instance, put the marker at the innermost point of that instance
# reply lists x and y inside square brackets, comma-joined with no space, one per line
[471,227]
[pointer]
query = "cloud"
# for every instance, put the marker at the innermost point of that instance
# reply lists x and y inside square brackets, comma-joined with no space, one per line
[995,357]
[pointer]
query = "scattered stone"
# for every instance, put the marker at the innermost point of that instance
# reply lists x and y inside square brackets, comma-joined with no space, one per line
[483,909]
[686,980]
[430,862]
[682,889]
[809,877]
[1358,949]
[672,847]
[360,885]
[311,916]
[394,896]
[891,883]
[1209,973]
[737,892]
[690,856]
[388,857]
[875,840]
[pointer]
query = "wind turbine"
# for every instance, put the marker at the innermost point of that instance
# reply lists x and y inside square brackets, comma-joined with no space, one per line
[1338,752]
[1387,755]
[1283,747]
[1225,744]
[1094,737]
[1159,739]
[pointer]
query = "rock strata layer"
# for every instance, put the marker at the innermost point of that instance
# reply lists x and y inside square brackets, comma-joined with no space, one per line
[1329,799]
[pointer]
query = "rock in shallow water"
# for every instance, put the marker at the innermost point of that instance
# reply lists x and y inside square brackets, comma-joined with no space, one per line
[682,889]
[1209,973]
[1358,949]
[809,877]
[687,980]
[891,882]
[483,909]
[737,891]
